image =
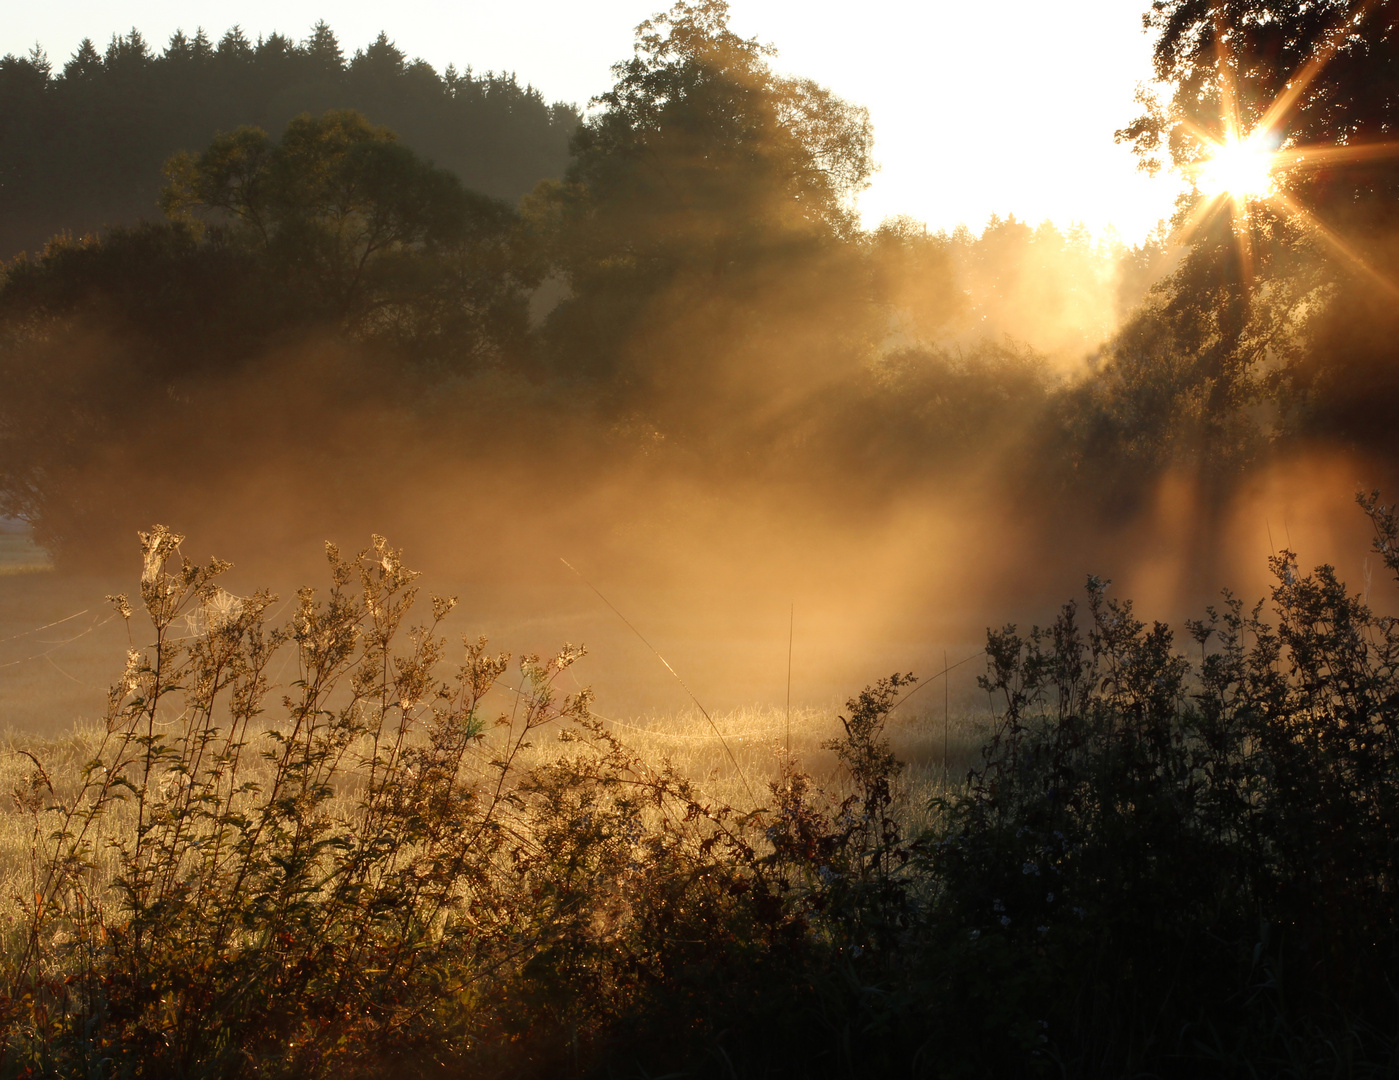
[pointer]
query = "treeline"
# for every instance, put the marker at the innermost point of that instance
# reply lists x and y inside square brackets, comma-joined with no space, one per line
[81,147]
[694,290]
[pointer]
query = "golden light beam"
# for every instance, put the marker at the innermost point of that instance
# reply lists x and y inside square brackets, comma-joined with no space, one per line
[1301,158]
[1244,173]
[1200,211]
[1244,238]
[1336,241]
[1224,69]
[1234,138]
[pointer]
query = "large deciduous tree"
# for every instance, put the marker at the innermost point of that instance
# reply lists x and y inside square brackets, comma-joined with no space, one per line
[1280,320]
[365,232]
[709,200]
[335,242]
[81,143]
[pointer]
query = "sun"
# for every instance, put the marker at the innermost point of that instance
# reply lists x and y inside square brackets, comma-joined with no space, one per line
[1255,163]
[1242,169]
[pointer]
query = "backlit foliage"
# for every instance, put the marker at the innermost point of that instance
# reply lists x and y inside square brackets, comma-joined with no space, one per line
[304,849]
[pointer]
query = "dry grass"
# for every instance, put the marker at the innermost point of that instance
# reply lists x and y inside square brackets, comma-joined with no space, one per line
[757,737]
[483,825]
[20,555]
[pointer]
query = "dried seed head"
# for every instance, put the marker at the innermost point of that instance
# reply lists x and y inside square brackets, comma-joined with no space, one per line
[29,794]
[157,546]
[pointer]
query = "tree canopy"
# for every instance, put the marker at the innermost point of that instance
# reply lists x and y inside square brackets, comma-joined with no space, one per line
[1279,320]
[348,217]
[335,233]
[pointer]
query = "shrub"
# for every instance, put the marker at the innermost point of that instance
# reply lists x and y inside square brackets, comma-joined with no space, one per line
[1166,862]
[370,868]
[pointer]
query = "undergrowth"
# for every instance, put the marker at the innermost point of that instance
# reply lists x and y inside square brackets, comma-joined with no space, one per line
[1165,862]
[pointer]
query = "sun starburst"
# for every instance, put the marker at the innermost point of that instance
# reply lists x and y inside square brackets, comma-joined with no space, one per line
[1243,166]
[1241,169]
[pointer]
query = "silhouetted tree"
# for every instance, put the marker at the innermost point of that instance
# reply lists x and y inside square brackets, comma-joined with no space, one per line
[119,347]
[1279,319]
[365,232]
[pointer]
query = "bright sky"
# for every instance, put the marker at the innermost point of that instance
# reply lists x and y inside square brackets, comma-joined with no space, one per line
[977,108]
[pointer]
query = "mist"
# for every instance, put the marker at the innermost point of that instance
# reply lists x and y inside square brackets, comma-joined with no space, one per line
[678,364]
[886,502]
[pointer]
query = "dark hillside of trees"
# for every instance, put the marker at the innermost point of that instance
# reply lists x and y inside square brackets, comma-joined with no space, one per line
[82,147]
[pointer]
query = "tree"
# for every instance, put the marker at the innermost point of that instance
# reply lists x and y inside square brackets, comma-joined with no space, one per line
[1314,75]
[353,222]
[81,148]
[335,241]
[1279,319]
[707,214]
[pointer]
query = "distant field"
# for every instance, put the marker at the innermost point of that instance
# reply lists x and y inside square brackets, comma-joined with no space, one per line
[755,737]
[61,645]
[20,555]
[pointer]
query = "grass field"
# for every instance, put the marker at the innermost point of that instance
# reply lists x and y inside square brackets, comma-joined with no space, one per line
[20,555]
[306,834]
[757,737]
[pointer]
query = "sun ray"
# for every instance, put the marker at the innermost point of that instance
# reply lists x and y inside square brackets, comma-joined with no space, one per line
[1244,238]
[1301,158]
[1336,241]
[1224,67]
[1199,213]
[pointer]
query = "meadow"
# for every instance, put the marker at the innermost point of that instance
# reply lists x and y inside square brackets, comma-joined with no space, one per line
[71,838]
[329,842]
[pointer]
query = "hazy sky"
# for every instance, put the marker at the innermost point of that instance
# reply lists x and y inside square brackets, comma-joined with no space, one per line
[978,108]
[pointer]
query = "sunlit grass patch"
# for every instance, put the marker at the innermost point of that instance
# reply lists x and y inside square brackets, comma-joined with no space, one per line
[20,555]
